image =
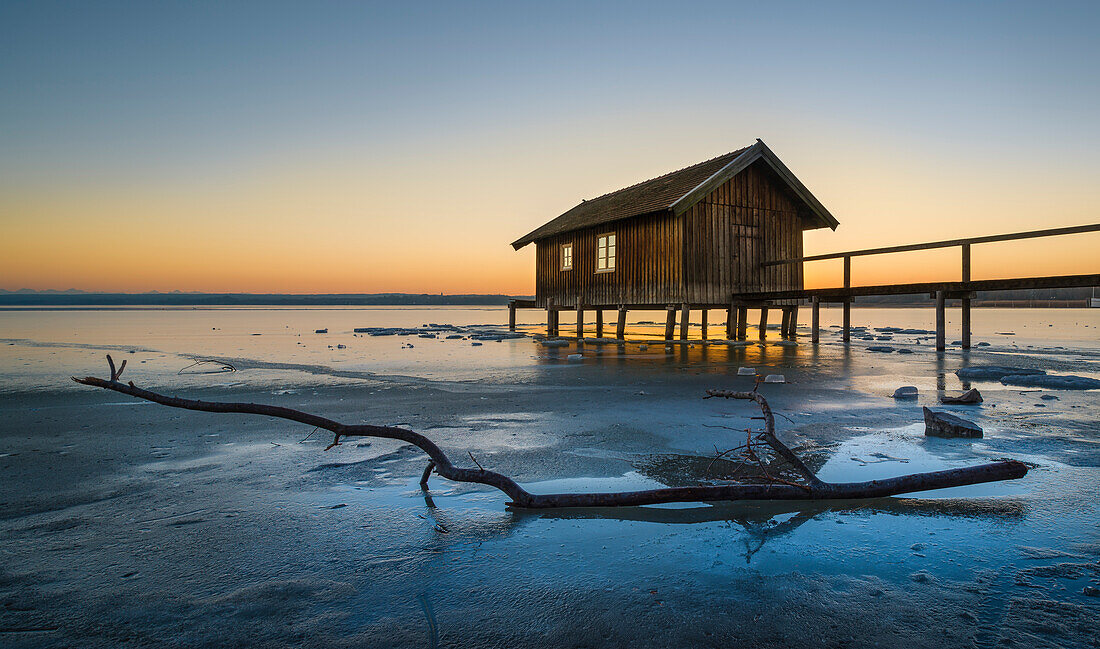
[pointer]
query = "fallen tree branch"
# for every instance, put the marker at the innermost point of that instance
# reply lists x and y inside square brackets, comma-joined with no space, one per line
[814,489]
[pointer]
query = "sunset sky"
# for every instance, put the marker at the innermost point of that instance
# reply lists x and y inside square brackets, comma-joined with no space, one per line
[399,147]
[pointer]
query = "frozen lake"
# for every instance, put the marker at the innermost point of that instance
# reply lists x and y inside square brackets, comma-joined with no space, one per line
[129,523]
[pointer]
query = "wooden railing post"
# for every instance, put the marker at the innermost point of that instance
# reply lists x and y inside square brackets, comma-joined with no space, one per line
[847,325]
[941,322]
[815,320]
[966,298]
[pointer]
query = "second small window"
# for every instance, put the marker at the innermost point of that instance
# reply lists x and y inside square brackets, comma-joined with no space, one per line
[605,252]
[567,256]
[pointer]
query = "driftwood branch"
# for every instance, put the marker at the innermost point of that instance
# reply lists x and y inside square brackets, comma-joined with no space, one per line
[777,489]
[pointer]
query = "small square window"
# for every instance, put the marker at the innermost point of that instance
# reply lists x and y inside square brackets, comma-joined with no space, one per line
[605,252]
[567,256]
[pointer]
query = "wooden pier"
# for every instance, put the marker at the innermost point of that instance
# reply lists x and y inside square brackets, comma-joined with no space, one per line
[786,301]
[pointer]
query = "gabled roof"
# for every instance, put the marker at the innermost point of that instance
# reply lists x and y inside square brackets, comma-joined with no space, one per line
[676,192]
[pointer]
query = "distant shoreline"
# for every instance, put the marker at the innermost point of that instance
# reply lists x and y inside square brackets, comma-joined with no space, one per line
[183,300]
[65,300]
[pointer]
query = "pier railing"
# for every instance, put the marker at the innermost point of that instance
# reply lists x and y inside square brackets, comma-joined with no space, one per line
[787,300]
[963,290]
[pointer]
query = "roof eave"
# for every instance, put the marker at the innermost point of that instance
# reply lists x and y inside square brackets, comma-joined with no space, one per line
[819,210]
[534,237]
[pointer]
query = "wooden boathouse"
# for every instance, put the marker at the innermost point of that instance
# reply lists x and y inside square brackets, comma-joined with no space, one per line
[690,239]
[723,234]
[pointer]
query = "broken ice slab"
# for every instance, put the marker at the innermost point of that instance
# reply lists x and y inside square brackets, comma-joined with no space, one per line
[942,424]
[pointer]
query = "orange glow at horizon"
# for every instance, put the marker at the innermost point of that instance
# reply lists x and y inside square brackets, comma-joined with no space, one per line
[444,226]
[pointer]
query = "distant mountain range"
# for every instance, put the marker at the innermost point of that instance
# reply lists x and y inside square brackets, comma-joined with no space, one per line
[73,297]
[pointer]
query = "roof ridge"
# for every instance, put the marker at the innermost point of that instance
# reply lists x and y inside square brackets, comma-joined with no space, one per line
[649,180]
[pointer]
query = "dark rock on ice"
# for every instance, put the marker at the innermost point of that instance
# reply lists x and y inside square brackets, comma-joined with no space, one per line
[971,396]
[943,424]
[880,348]
[906,392]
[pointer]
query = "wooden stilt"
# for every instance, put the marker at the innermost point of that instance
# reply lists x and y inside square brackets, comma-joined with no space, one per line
[966,323]
[599,323]
[966,300]
[551,319]
[580,320]
[685,316]
[703,325]
[670,322]
[792,325]
[846,333]
[815,320]
[941,322]
[742,322]
[512,316]
[731,322]
[784,322]
[763,322]
[620,327]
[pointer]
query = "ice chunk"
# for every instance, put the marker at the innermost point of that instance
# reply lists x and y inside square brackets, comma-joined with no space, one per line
[1068,382]
[993,372]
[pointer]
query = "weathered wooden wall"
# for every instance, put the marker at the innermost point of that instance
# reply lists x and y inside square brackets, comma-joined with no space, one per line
[647,265]
[704,256]
[749,219]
